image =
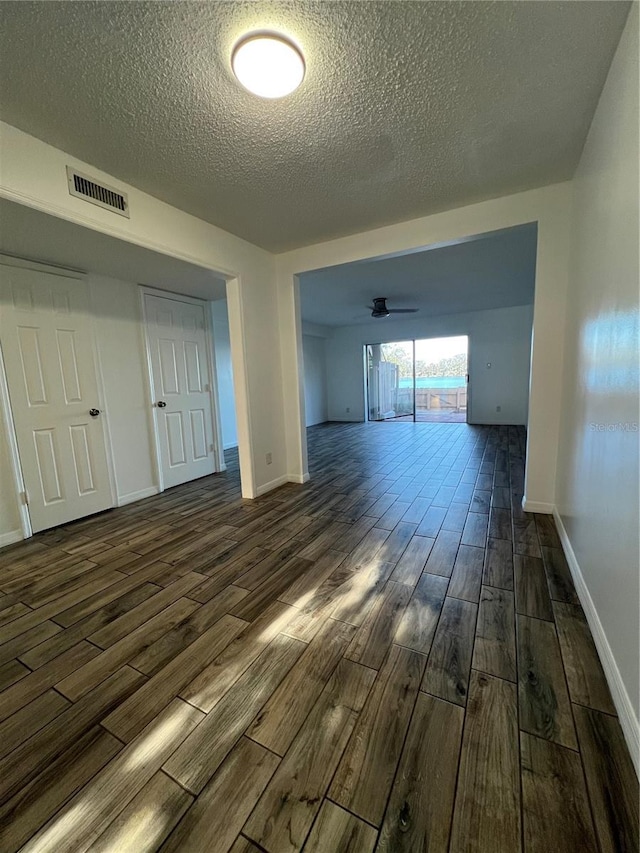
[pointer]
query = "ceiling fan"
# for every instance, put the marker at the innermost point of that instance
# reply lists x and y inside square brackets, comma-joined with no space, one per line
[379,308]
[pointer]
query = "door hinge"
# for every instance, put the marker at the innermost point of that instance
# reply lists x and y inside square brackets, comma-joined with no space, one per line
[212,447]
[25,498]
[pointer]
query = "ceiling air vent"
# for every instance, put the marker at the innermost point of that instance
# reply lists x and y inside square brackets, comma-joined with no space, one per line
[85,188]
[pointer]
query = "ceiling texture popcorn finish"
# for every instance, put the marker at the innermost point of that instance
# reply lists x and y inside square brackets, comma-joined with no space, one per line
[407,108]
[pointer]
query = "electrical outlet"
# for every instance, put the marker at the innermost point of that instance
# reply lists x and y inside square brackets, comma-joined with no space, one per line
[498,408]
[269,458]
[348,409]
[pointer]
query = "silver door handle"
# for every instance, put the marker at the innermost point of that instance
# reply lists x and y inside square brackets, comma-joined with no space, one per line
[94,412]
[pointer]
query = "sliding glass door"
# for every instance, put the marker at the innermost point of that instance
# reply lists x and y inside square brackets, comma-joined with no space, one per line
[419,380]
[390,381]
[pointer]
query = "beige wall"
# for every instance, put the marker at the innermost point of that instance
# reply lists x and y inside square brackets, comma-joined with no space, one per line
[597,474]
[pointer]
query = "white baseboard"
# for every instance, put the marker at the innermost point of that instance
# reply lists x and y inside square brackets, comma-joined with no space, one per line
[299,478]
[11,537]
[537,506]
[621,700]
[272,484]
[132,497]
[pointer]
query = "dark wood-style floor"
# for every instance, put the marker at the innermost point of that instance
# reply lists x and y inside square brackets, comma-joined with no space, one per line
[390,658]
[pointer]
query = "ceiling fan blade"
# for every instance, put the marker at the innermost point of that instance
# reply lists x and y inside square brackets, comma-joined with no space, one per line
[402,310]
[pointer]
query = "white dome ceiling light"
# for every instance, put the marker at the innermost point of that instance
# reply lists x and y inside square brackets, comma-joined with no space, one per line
[268,65]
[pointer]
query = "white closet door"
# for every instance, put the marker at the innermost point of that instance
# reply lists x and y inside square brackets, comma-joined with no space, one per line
[181,388]
[47,346]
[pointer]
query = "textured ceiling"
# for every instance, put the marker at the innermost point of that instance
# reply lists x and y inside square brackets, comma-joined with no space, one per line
[27,233]
[407,107]
[493,271]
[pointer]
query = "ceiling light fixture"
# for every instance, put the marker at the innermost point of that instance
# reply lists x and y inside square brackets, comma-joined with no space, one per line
[268,65]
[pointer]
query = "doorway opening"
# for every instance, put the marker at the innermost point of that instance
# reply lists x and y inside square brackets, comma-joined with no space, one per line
[421,380]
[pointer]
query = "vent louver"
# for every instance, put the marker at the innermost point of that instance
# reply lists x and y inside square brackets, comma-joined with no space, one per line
[87,189]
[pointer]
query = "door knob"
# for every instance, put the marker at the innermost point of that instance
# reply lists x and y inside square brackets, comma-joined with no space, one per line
[161,404]
[94,412]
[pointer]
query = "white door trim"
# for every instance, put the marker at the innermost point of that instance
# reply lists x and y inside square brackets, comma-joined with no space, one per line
[213,383]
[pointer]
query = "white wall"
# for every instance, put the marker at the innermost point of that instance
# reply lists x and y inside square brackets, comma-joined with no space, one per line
[33,173]
[224,372]
[550,208]
[315,379]
[501,337]
[597,478]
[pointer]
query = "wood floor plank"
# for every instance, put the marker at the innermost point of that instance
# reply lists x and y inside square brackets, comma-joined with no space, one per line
[418,624]
[279,721]
[215,679]
[30,808]
[364,776]
[338,831]
[547,533]
[148,819]
[38,682]
[128,622]
[447,673]
[107,794]
[495,646]
[585,676]
[65,639]
[498,564]
[10,672]
[158,654]
[432,521]
[286,810]
[559,577]
[543,698]
[418,816]
[353,599]
[412,563]
[29,719]
[85,678]
[475,530]
[611,780]
[486,814]
[500,523]
[224,805]
[532,593]
[373,638]
[551,820]
[21,644]
[22,764]
[525,536]
[466,578]
[202,753]
[443,554]
[100,579]
[139,709]
[300,591]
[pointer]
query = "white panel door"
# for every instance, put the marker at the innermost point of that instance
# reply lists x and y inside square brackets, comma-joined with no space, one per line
[47,346]
[181,388]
